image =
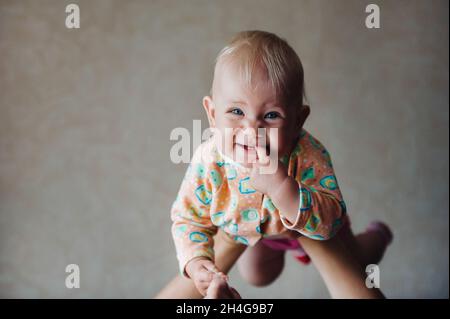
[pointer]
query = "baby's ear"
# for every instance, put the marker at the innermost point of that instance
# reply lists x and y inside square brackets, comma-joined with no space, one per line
[208,104]
[303,115]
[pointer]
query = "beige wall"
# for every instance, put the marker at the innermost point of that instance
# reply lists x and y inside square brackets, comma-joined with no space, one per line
[85,117]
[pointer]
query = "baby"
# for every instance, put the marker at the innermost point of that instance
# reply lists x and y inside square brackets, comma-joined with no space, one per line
[258,84]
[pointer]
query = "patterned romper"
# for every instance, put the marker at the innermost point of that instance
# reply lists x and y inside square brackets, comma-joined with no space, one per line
[216,193]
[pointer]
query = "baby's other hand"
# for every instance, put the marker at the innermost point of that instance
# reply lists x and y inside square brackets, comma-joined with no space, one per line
[202,271]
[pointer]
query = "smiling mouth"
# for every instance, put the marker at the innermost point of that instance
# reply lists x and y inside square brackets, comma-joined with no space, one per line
[250,148]
[246,147]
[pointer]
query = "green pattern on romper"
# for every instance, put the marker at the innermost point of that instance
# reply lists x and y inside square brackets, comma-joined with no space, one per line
[312,223]
[196,212]
[297,150]
[200,170]
[306,199]
[327,156]
[233,228]
[249,215]
[329,182]
[231,172]
[316,237]
[203,195]
[198,237]
[201,212]
[335,226]
[314,142]
[220,163]
[308,174]
[302,133]
[192,212]
[244,186]
[218,218]
[197,224]
[241,239]
[233,202]
[268,204]
[180,230]
[216,178]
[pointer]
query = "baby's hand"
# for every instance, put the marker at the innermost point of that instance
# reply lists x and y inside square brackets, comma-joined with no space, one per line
[202,271]
[263,177]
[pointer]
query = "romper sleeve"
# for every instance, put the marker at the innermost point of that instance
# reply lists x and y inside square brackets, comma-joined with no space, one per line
[192,228]
[321,208]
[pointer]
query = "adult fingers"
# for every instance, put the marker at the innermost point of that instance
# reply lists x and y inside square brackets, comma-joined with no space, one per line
[204,275]
[235,294]
[218,289]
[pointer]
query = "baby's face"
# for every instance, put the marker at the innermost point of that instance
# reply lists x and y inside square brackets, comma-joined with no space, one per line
[243,110]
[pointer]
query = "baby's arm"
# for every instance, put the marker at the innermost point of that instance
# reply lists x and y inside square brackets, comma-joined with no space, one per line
[192,228]
[320,221]
[311,203]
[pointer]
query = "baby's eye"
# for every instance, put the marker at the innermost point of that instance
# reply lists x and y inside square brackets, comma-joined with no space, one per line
[237,111]
[272,115]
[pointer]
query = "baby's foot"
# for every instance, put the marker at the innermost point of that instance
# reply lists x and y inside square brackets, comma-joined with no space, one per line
[382,229]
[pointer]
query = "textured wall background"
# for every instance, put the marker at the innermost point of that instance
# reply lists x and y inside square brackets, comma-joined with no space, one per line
[85,174]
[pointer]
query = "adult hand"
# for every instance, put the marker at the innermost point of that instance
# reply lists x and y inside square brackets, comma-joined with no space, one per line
[219,289]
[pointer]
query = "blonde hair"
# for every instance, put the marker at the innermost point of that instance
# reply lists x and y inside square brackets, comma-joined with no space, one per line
[249,50]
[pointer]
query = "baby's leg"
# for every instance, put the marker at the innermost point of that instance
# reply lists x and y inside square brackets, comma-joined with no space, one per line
[260,265]
[369,245]
[227,252]
[340,267]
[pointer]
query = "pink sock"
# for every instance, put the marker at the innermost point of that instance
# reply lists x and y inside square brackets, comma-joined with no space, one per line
[301,256]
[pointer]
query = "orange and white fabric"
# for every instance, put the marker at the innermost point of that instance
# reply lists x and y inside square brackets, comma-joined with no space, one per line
[216,193]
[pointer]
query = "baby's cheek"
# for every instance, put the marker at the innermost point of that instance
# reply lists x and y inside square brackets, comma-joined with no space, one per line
[277,142]
[224,139]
